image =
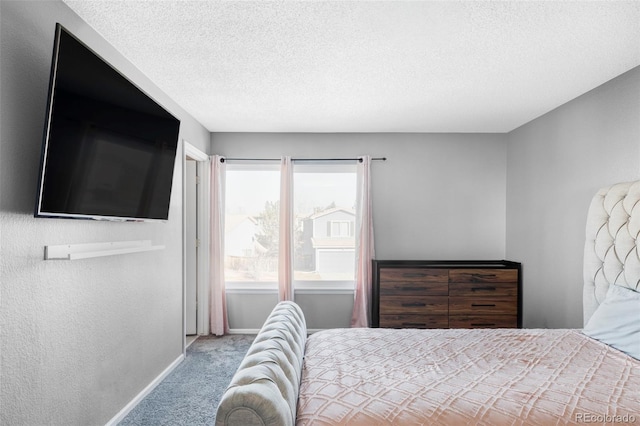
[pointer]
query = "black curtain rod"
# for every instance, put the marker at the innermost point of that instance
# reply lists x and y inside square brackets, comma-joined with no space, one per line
[223,159]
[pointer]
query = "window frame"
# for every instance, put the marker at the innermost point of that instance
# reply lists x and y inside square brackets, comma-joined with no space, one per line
[333,167]
[256,286]
[300,286]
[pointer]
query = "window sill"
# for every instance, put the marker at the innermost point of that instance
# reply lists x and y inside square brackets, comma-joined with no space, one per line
[296,291]
[305,287]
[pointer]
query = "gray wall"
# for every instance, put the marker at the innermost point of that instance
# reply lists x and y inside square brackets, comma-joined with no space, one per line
[555,165]
[249,309]
[79,339]
[438,196]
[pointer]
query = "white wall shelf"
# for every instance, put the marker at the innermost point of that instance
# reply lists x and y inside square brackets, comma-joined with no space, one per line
[86,251]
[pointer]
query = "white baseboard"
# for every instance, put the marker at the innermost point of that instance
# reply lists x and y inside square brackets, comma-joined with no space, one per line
[244,331]
[146,391]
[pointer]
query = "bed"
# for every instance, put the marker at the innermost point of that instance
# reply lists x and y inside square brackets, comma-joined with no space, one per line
[372,376]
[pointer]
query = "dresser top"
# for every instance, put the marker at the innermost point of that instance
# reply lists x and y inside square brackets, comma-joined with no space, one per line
[448,263]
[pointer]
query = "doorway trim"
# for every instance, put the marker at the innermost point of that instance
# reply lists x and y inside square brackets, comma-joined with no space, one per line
[202,234]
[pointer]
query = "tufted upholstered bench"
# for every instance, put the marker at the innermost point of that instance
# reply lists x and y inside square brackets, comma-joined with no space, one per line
[264,389]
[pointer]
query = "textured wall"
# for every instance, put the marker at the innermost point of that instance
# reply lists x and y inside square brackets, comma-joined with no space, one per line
[556,164]
[80,339]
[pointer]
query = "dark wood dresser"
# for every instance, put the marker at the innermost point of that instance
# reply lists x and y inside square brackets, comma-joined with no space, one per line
[447,294]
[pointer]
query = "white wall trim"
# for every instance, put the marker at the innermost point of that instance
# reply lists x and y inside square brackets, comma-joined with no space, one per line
[250,290]
[303,290]
[324,291]
[202,194]
[146,391]
[204,220]
[194,153]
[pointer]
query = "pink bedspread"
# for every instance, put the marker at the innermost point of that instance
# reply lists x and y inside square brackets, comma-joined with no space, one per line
[450,377]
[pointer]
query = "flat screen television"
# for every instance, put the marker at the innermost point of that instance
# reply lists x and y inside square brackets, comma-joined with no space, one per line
[108,149]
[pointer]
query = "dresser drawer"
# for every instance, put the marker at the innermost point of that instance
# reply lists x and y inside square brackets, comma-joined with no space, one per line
[486,290]
[414,281]
[477,305]
[414,321]
[483,321]
[414,305]
[483,276]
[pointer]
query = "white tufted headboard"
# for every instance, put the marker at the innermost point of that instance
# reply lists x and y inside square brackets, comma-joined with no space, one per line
[611,253]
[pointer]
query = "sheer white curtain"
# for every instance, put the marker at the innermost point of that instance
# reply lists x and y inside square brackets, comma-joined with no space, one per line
[218,305]
[285,252]
[364,245]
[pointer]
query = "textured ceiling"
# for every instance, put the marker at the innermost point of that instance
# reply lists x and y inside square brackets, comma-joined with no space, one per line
[366,66]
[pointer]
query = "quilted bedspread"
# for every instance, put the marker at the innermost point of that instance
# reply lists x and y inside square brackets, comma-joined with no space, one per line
[460,376]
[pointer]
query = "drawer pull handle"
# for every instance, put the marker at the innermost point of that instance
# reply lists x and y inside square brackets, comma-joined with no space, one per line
[488,288]
[414,324]
[479,324]
[408,304]
[482,276]
[483,304]
[414,275]
[411,288]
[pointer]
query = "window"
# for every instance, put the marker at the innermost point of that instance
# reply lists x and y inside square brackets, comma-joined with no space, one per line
[324,198]
[340,228]
[252,193]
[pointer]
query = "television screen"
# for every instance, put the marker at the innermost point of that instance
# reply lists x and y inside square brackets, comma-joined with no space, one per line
[108,148]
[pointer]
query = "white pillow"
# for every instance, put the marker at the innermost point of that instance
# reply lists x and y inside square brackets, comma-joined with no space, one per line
[616,321]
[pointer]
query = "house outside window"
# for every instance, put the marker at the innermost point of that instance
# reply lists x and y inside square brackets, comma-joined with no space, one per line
[324,204]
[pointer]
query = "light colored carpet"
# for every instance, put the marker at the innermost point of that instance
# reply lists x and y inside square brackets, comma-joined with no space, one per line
[190,394]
